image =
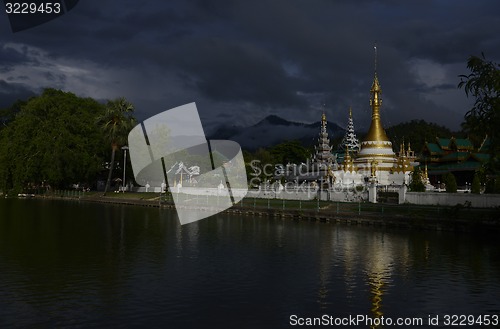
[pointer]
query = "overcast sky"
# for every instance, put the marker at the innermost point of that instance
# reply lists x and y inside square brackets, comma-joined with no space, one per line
[243,60]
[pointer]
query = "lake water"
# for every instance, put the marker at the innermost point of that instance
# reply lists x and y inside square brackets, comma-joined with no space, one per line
[80,265]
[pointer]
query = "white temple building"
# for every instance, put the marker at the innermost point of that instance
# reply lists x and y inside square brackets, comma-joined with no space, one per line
[376,162]
[369,162]
[373,161]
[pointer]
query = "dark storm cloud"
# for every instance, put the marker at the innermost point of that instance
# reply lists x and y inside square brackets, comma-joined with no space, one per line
[11,92]
[445,42]
[232,71]
[242,60]
[16,55]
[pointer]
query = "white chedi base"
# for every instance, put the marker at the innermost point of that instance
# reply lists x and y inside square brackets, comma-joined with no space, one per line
[374,151]
[382,177]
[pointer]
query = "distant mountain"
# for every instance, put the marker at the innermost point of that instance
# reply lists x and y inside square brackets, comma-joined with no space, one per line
[273,130]
[225,132]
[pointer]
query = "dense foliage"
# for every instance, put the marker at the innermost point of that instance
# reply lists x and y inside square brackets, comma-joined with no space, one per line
[260,165]
[483,83]
[476,184]
[7,115]
[289,152]
[451,182]
[417,132]
[52,141]
[416,182]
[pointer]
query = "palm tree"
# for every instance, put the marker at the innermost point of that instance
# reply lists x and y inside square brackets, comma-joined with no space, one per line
[116,123]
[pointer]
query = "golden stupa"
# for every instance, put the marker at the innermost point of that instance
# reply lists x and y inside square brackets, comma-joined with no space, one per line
[376,149]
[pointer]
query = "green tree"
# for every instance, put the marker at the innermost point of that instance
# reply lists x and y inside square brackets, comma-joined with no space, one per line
[483,83]
[451,183]
[476,184]
[259,166]
[7,115]
[473,129]
[51,140]
[289,152]
[416,132]
[416,183]
[116,122]
[496,184]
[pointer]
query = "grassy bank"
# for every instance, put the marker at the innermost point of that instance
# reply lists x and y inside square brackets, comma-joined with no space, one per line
[458,217]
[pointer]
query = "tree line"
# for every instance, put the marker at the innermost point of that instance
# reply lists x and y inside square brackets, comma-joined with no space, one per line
[57,138]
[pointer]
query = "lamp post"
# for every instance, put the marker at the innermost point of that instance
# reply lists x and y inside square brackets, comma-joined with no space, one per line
[124,148]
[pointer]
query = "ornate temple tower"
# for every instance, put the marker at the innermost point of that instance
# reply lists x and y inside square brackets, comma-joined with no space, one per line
[376,152]
[323,151]
[350,141]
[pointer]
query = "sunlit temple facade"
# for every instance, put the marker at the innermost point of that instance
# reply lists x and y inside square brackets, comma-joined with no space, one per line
[371,161]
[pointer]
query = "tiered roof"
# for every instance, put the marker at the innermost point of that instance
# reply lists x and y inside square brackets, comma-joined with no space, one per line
[323,151]
[454,154]
[350,140]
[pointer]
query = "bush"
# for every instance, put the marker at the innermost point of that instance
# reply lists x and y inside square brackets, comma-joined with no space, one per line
[416,184]
[476,184]
[451,183]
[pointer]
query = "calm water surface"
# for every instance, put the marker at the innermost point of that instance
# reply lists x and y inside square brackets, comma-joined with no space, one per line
[71,264]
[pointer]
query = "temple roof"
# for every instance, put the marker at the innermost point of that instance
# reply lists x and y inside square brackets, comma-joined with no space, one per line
[444,143]
[481,156]
[461,166]
[462,143]
[455,156]
[433,148]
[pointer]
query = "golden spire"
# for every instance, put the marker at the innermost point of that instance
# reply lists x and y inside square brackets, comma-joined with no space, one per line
[323,116]
[376,84]
[376,132]
[347,161]
[350,112]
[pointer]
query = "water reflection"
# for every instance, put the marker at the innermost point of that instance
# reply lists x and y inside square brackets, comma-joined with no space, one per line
[379,266]
[327,259]
[83,265]
[349,252]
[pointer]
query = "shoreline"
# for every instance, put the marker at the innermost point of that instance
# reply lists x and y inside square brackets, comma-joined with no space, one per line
[402,217]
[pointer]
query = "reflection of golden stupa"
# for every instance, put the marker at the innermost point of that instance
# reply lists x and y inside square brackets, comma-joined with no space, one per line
[379,270]
[377,282]
[376,147]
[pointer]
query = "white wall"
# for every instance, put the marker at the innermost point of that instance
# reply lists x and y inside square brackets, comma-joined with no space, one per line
[451,199]
[287,195]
